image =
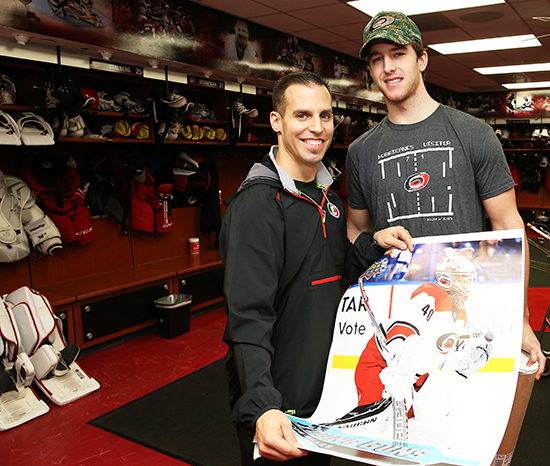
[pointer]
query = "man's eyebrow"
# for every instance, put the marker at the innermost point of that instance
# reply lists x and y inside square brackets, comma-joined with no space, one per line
[393,49]
[304,110]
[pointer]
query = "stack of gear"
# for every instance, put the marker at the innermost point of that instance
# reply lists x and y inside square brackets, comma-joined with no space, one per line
[126,103]
[9,130]
[20,220]
[201,112]
[192,179]
[104,193]
[123,130]
[151,196]
[238,110]
[105,103]
[7,90]
[56,186]
[63,103]
[169,106]
[198,133]
[34,130]
[33,350]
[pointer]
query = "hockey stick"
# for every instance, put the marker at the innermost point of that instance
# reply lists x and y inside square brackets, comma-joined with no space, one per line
[539,231]
[400,421]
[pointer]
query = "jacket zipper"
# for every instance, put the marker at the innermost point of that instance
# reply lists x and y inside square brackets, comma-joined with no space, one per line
[320,208]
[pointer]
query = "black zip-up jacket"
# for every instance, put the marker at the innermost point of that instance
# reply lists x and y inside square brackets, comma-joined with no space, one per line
[284,259]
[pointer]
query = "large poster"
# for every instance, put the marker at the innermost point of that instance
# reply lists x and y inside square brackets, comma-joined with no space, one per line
[424,361]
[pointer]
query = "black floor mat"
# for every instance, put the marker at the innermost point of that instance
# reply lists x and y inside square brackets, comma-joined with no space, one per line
[189,420]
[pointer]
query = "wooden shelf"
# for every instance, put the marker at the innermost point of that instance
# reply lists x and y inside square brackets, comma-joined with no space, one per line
[20,108]
[57,299]
[256,144]
[108,282]
[206,143]
[188,262]
[105,140]
[96,113]
[203,122]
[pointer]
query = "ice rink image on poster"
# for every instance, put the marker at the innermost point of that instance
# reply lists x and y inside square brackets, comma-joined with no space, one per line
[424,361]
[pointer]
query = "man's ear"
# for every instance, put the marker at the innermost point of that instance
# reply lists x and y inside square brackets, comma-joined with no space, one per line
[423,61]
[275,120]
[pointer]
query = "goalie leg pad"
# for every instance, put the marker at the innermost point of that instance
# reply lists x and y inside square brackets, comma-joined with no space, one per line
[34,317]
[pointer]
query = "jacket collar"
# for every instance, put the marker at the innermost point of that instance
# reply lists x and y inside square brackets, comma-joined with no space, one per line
[322,177]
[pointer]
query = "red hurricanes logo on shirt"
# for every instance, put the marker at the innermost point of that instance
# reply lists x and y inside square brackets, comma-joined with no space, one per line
[416,182]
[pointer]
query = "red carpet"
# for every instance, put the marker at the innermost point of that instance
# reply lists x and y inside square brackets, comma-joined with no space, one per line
[125,372]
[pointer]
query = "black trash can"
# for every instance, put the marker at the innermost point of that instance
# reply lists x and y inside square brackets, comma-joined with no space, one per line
[174,314]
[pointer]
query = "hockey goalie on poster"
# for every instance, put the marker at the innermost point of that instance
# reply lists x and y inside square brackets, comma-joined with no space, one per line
[423,363]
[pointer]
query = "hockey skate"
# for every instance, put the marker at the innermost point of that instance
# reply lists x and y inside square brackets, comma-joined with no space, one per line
[372,420]
[237,111]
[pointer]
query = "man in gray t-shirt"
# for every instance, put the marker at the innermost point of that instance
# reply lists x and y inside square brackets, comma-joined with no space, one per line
[428,167]
[430,177]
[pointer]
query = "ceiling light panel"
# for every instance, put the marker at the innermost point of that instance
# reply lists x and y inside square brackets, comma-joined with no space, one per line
[419,7]
[535,85]
[528,68]
[486,45]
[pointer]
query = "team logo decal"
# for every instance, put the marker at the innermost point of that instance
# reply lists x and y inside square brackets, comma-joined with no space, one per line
[334,211]
[416,182]
[446,342]
[377,268]
[382,22]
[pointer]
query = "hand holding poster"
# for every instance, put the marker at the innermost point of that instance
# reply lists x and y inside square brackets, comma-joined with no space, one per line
[424,361]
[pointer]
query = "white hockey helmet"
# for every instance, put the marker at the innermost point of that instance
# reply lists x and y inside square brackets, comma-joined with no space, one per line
[456,275]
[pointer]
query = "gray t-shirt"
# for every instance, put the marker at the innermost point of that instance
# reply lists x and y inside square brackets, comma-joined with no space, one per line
[429,176]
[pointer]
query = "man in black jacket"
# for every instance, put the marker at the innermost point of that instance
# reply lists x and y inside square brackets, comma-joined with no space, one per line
[286,253]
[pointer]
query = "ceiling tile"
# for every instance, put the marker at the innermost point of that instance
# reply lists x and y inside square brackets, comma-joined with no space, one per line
[243,8]
[284,23]
[353,32]
[292,5]
[331,15]
[319,36]
[448,35]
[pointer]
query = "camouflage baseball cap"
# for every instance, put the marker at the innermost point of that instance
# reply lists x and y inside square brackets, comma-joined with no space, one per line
[390,25]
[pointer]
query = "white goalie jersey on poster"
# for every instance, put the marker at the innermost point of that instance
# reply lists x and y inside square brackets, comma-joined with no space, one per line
[442,360]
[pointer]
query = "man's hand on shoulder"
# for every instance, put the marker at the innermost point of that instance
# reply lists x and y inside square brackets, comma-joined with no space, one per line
[275,438]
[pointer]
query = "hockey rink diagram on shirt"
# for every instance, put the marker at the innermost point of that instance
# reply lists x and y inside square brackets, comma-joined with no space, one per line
[442,365]
[427,203]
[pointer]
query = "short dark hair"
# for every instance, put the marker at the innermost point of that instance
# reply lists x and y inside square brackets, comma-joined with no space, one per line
[305,78]
[419,50]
